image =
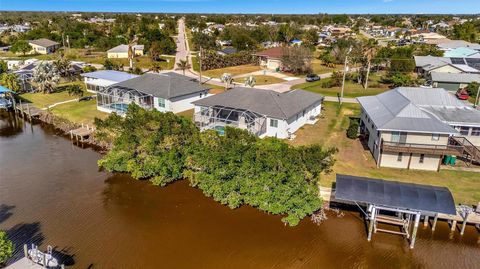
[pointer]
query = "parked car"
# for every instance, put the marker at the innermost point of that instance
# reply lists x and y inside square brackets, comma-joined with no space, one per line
[312,78]
[462,94]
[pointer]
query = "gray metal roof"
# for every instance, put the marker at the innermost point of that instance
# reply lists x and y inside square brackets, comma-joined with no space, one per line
[430,62]
[456,115]
[454,44]
[403,109]
[393,194]
[264,102]
[167,85]
[111,75]
[454,78]
[43,42]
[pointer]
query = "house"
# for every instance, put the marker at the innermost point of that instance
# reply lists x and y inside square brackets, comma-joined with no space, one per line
[427,64]
[462,52]
[261,112]
[296,42]
[455,44]
[452,81]
[98,80]
[227,51]
[413,128]
[167,92]
[121,51]
[271,58]
[43,46]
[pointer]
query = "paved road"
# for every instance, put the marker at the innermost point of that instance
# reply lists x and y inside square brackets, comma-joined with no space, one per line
[182,50]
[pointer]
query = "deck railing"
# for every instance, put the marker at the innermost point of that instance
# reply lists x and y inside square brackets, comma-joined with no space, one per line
[422,148]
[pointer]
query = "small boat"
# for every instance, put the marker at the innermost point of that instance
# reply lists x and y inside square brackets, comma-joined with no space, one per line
[43,258]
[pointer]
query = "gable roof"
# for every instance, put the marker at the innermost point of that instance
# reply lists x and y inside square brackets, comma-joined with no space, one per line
[264,102]
[167,85]
[43,42]
[274,53]
[455,78]
[408,109]
[111,75]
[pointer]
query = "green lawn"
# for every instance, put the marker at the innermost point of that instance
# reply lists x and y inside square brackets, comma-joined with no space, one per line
[351,90]
[319,68]
[233,70]
[43,100]
[262,80]
[79,112]
[353,159]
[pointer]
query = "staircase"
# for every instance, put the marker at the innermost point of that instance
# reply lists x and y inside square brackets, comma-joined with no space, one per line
[468,148]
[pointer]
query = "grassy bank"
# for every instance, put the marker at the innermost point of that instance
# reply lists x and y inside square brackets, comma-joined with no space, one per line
[353,159]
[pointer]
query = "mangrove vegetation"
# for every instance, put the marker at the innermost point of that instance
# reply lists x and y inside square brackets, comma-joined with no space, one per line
[235,168]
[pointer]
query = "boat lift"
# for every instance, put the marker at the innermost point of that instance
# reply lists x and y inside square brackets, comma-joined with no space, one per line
[395,203]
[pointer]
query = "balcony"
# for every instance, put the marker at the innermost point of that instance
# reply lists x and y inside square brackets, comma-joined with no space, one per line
[422,148]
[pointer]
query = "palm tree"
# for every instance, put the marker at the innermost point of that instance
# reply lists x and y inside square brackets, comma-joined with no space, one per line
[250,81]
[369,51]
[156,67]
[10,81]
[63,66]
[227,79]
[46,77]
[183,65]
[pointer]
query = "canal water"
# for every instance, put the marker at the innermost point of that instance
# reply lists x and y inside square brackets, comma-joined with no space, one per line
[52,193]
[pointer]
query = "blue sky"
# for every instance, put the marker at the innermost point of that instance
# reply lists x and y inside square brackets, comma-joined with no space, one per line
[249,6]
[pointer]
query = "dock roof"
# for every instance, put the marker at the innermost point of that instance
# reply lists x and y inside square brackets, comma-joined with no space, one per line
[394,194]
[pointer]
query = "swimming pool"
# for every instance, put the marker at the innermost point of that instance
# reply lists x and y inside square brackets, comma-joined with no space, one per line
[119,107]
[220,129]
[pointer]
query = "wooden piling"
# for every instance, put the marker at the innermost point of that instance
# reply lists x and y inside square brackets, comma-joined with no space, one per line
[28,111]
[462,231]
[425,221]
[415,228]
[434,222]
[25,250]
[454,225]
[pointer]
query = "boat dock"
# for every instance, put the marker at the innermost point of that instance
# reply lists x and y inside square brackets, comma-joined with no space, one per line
[82,133]
[26,110]
[24,263]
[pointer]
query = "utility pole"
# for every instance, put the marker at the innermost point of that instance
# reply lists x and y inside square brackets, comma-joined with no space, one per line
[344,74]
[200,55]
[476,99]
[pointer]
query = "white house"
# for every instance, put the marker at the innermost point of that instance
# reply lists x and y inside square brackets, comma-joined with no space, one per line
[261,112]
[121,51]
[167,92]
[95,81]
[413,128]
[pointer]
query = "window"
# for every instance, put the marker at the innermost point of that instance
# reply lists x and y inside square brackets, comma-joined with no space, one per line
[396,137]
[464,130]
[273,123]
[204,111]
[435,137]
[400,157]
[475,131]
[422,158]
[161,102]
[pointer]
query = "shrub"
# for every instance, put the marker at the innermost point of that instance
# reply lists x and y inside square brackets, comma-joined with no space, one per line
[352,131]
[6,248]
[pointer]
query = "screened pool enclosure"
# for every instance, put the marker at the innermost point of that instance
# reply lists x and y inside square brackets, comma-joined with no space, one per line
[217,117]
[116,99]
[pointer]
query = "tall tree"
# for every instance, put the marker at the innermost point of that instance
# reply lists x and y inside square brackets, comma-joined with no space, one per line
[183,65]
[21,46]
[10,81]
[46,77]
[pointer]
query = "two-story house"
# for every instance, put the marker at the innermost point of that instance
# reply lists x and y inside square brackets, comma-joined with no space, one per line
[413,128]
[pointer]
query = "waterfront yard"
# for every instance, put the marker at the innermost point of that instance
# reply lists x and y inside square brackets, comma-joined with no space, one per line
[79,112]
[354,159]
[43,100]
[352,89]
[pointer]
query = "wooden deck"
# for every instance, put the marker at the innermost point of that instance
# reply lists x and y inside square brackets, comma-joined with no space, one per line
[27,110]
[24,263]
[82,133]
[422,148]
